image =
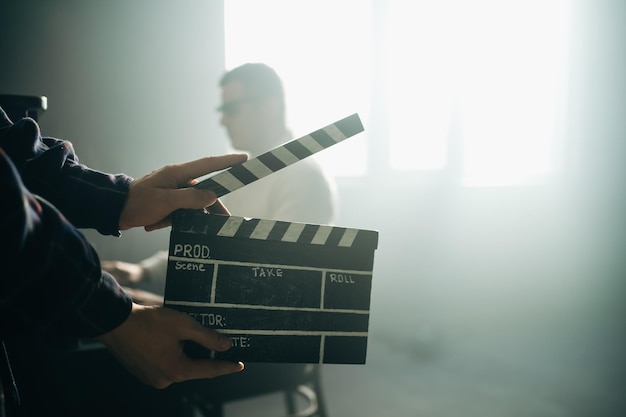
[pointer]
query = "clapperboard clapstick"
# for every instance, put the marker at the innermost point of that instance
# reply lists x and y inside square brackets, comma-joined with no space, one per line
[282,156]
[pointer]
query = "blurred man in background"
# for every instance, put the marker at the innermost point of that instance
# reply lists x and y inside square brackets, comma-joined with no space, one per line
[253,112]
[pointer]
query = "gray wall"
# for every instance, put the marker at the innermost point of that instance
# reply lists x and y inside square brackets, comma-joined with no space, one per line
[493,259]
[523,287]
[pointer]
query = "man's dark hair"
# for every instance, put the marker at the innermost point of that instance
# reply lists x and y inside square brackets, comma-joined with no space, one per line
[259,80]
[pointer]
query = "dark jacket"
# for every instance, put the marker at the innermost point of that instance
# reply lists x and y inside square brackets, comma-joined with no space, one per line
[50,277]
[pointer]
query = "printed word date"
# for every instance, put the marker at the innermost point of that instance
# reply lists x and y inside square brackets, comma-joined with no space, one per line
[240,341]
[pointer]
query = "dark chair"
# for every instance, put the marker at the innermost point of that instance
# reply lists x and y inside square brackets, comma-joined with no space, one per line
[17,106]
[294,381]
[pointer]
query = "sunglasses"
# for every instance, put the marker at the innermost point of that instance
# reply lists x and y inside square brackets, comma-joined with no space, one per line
[232,108]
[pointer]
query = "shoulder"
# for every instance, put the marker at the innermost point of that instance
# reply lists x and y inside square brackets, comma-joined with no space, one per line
[309,169]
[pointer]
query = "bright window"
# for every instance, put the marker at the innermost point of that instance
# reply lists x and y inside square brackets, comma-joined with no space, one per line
[476,87]
[321,50]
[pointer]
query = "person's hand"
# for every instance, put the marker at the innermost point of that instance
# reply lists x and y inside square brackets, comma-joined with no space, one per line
[153,197]
[125,273]
[143,297]
[150,344]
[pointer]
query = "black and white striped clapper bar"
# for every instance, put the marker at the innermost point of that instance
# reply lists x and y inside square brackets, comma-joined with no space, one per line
[284,292]
[282,156]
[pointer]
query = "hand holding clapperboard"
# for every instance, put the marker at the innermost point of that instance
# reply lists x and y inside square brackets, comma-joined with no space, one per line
[284,292]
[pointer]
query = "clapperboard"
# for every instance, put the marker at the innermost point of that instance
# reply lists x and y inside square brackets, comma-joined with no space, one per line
[283,291]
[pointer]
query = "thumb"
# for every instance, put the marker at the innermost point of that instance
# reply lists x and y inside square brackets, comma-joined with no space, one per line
[206,337]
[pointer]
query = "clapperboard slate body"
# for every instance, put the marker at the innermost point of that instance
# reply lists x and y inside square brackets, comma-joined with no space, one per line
[284,292]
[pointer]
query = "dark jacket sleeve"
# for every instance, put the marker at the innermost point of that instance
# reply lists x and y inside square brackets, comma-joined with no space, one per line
[50,277]
[49,168]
